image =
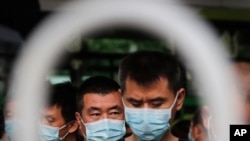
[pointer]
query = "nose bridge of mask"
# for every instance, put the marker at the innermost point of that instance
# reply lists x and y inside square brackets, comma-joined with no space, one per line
[94,126]
[53,130]
[49,131]
[102,122]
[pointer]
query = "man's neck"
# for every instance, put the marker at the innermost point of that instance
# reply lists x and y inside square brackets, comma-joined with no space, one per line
[70,137]
[131,138]
[169,137]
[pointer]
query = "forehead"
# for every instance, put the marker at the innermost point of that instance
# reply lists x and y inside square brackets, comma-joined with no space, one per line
[243,67]
[243,71]
[159,88]
[243,74]
[102,101]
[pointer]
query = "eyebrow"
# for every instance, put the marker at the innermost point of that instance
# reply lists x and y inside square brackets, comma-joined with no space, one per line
[49,116]
[91,109]
[160,99]
[150,100]
[134,100]
[116,107]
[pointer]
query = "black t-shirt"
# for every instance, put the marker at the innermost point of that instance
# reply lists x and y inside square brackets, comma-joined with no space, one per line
[79,137]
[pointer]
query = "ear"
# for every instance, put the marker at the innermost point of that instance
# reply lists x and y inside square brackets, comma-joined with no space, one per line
[80,125]
[78,120]
[73,126]
[78,117]
[197,131]
[180,99]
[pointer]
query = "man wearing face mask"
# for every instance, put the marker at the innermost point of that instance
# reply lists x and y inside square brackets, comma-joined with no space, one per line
[58,121]
[153,89]
[100,110]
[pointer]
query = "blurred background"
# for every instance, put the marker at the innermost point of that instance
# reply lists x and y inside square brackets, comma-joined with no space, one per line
[101,53]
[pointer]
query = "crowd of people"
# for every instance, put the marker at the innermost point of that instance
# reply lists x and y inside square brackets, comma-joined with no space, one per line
[141,106]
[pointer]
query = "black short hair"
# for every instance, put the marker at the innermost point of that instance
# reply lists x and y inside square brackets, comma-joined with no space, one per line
[147,67]
[2,124]
[99,85]
[63,95]
[198,120]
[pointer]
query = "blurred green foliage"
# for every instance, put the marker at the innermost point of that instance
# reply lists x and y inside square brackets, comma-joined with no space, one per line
[106,45]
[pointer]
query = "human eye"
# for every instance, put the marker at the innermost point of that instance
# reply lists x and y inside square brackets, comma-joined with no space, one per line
[136,103]
[50,119]
[156,104]
[115,113]
[95,114]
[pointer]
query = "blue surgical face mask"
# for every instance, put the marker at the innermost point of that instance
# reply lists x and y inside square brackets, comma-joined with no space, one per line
[104,130]
[10,128]
[149,124]
[50,133]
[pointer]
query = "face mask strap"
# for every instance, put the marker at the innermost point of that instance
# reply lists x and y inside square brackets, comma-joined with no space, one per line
[85,127]
[63,126]
[66,124]
[62,138]
[177,94]
[123,103]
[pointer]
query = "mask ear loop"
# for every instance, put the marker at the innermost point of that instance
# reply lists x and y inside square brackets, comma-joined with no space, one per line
[63,137]
[123,103]
[63,126]
[175,99]
[85,136]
